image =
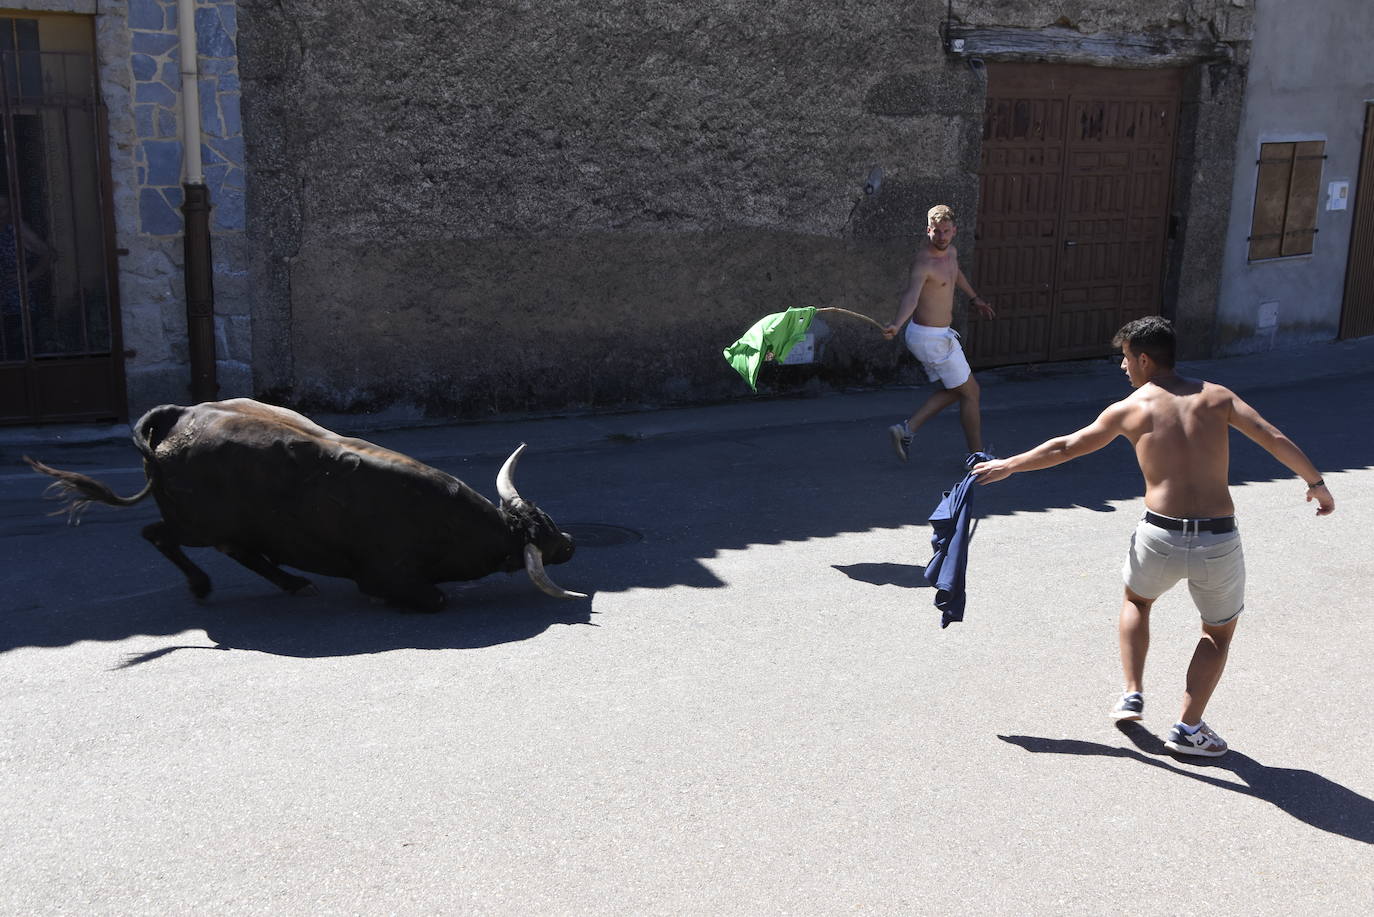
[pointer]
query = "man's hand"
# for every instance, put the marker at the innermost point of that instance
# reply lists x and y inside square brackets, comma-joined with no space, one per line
[984,307]
[1326,504]
[988,472]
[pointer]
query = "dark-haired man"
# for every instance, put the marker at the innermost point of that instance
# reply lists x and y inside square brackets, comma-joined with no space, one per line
[929,303]
[1180,429]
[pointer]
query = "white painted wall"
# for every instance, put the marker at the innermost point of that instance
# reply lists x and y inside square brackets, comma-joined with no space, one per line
[1311,72]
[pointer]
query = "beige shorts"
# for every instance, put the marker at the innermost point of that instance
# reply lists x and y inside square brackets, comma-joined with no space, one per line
[1213,564]
[939,352]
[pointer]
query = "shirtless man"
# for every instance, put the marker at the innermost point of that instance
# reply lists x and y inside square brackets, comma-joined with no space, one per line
[1180,430]
[930,296]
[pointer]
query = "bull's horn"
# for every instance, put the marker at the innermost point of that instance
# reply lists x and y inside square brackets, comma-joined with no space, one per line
[534,565]
[505,478]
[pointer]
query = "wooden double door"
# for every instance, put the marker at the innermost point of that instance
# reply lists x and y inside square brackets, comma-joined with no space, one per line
[1073,214]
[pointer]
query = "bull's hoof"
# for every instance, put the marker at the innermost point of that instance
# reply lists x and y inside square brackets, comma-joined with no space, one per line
[427,604]
[200,585]
[305,588]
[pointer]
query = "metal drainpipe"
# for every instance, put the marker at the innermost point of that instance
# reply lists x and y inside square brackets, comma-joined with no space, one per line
[195,210]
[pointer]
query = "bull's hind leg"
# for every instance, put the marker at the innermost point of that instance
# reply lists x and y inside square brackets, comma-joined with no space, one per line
[160,534]
[255,561]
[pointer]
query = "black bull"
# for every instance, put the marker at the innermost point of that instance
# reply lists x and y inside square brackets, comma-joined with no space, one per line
[269,487]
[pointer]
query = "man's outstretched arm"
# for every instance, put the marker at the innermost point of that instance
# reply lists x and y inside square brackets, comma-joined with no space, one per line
[1051,452]
[978,302]
[1271,439]
[911,297]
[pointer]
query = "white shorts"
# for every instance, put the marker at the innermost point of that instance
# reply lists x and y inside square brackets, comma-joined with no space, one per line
[1213,565]
[939,352]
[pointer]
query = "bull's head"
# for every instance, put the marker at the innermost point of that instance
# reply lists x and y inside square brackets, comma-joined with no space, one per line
[543,542]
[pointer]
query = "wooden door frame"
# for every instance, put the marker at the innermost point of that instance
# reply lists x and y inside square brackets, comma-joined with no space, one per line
[96,376]
[1353,324]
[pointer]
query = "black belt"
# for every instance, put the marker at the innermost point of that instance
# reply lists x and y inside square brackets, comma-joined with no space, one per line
[1219,525]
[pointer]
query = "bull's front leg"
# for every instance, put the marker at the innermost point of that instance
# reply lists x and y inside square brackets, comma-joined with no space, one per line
[160,534]
[255,561]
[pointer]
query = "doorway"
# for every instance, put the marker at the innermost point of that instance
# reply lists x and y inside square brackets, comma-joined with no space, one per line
[60,352]
[1357,307]
[1073,211]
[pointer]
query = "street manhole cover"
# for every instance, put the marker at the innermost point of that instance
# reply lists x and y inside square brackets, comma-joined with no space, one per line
[597,535]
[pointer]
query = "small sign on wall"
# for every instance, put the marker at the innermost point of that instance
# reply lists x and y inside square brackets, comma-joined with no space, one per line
[1337,195]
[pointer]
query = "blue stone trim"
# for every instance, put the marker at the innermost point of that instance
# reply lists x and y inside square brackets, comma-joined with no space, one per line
[146,14]
[144,67]
[154,65]
[155,43]
[164,161]
[156,216]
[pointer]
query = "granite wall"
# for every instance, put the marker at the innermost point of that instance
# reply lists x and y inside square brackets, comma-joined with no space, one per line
[500,206]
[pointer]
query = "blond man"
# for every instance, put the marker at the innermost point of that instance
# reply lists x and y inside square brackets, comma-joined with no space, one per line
[929,304]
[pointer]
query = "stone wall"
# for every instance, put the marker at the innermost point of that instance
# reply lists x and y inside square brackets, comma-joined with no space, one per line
[498,206]
[142,81]
[508,206]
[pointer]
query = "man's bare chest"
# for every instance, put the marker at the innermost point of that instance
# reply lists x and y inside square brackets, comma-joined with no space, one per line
[940,275]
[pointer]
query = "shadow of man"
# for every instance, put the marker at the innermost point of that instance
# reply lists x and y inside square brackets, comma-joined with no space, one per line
[1306,796]
[910,576]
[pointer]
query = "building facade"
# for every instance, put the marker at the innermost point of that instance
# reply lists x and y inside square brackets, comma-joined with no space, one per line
[470,208]
[1289,272]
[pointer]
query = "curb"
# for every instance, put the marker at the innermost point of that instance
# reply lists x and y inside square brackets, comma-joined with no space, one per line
[1096,381]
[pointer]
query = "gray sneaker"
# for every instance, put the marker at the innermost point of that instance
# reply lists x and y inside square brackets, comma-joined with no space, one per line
[1203,742]
[1130,707]
[901,439]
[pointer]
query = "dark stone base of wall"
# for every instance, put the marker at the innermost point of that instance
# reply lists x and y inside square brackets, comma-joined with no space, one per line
[475,328]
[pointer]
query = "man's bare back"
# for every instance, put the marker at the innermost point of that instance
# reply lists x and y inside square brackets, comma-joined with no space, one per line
[1180,429]
[1181,433]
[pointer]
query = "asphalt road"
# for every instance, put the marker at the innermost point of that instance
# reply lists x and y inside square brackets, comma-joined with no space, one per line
[756,712]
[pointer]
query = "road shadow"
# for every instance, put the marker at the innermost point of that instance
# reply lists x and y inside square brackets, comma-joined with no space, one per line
[1306,796]
[911,576]
[691,498]
[242,615]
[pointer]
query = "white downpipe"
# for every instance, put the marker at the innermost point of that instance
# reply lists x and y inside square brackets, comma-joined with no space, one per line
[190,91]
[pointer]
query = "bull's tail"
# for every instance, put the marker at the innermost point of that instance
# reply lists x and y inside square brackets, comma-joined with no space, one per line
[79,491]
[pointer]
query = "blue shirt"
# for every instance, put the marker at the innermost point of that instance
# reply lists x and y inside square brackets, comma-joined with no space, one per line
[952,521]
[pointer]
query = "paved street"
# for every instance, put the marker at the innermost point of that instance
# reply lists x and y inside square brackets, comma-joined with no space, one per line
[756,712]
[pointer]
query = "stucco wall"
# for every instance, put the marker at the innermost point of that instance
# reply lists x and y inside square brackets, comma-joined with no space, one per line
[506,206]
[1310,78]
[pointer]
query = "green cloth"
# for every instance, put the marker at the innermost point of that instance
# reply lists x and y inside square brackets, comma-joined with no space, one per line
[773,335]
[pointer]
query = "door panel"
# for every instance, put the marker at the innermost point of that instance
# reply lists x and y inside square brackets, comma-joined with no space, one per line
[1073,217]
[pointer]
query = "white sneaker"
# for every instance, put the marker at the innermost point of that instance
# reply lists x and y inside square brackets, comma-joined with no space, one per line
[901,439]
[1130,707]
[1203,742]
